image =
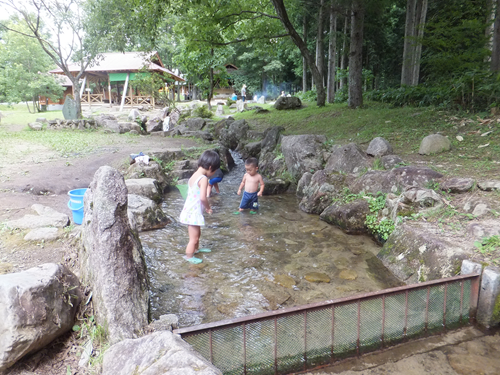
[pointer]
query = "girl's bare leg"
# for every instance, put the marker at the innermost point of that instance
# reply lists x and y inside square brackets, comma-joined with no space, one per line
[194,240]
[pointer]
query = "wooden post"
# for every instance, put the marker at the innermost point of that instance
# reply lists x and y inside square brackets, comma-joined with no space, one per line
[109,90]
[88,93]
[124,92]
[131,94]
[83,86]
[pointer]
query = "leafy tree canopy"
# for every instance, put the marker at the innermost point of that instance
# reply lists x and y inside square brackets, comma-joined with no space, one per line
[23,68]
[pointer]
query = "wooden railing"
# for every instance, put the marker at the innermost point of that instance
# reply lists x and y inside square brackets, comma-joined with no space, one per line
[137,100]
[92,98]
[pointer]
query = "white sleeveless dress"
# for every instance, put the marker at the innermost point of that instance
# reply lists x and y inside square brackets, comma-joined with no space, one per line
[192,213]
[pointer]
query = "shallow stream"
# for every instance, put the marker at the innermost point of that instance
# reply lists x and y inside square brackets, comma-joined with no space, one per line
[278,257]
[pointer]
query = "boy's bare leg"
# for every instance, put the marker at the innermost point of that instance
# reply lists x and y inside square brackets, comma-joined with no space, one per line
[217,187]
[209,190]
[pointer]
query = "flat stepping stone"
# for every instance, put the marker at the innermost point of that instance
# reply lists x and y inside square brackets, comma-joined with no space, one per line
[348,275]
[42,234]
[284,280]
[317,277]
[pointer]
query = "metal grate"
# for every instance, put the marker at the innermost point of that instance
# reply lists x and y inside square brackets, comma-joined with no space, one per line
[306,337]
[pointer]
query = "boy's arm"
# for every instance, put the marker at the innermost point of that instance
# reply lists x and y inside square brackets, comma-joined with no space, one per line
[242,185]
[261,182]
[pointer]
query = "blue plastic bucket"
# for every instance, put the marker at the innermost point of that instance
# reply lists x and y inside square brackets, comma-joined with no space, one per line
[75,204]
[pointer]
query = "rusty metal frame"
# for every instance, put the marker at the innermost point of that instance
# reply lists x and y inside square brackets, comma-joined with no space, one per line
[304,309]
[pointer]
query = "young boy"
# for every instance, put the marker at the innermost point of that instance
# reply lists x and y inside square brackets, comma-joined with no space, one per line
[214,182]
[251,181]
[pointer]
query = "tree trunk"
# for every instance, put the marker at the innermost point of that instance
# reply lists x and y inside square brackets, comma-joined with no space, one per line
[408,49]
[490,20]
[343,56]
[304,61]
[420,15]
[211,88]
[495,46]
[297,40]
[319,40]
[356,56]
[332,60]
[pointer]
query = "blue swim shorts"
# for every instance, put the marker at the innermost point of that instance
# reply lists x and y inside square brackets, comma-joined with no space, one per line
[215,180]
[249,200]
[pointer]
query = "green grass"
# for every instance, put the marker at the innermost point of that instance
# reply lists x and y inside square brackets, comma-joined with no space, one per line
[404,128]
[18,114]
[66,142]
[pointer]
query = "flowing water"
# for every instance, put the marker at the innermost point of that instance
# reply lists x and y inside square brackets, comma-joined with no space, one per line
[277,257]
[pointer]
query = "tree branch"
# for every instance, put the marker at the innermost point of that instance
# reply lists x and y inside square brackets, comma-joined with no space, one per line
[239,40]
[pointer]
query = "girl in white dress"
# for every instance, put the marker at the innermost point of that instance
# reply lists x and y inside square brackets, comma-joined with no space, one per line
[192,213]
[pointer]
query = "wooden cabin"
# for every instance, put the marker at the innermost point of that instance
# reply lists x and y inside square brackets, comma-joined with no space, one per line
[108,80]
[225,91]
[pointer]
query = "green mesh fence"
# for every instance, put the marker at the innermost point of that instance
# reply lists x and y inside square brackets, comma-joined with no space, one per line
[317,334]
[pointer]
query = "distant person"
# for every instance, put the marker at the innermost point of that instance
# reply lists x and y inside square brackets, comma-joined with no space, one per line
[234,97]
[283,94]
[214,182]
[192,213]
[251,181]
[243,92]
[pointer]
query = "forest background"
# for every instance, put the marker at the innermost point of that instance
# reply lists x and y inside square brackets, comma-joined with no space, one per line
[403,52]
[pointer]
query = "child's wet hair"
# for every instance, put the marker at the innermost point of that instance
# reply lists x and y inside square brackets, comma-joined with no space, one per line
[209,160]
[252,162]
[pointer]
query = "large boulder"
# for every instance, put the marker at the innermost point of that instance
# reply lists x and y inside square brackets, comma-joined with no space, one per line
[147,187]
[161,352]
[154,125]
[133,114]
[303,183]
[112,260]
[290,102]
[433,144]
[394,180]
[145,214]
[251,149]
[195,124]
[415,176]
[349,217]
[374,182]
[275,186]
[348,159]
[321,191]
[152,170]
[379,147]
[303,153]
[175,115]
[36,306]
[420,251]
[391,161]
[271,138]
[457,185]
[222,124]
[270,165]
[232,136]
[103,118]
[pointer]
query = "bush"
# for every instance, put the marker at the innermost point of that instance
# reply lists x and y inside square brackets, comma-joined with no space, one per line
[308,96]
[474,90]
[203,112]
